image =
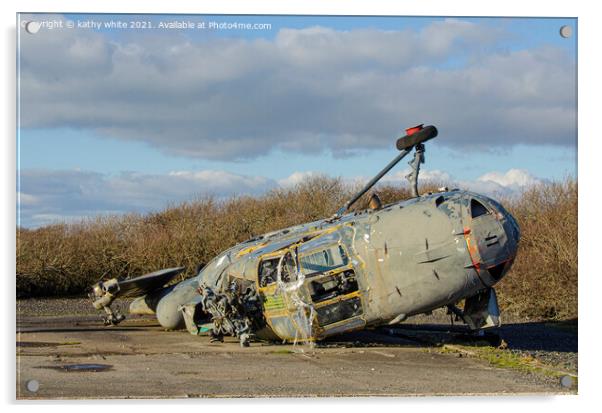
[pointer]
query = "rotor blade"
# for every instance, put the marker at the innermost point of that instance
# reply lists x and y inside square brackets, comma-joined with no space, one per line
[148,282]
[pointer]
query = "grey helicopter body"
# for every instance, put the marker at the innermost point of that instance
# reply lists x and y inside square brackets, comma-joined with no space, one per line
[346,272]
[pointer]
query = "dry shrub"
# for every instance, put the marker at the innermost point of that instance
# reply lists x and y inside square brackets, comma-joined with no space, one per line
[543,280]
[66,258]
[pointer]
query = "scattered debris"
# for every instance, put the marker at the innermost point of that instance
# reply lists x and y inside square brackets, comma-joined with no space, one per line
[233,312]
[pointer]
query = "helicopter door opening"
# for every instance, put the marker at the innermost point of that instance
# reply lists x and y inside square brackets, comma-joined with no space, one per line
[332,284]
[282,312]
[328,287]
[327,283]
[268,271]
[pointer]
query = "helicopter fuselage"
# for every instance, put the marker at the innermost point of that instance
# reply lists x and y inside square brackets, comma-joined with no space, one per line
[373,267]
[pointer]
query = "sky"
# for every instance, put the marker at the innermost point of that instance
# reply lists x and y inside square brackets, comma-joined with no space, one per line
[117,120]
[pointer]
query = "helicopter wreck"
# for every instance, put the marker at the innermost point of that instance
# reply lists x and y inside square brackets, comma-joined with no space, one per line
[346,272]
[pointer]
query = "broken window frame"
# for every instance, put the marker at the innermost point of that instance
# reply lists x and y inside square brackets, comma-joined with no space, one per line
[310,272]
[483,211]
[274,295]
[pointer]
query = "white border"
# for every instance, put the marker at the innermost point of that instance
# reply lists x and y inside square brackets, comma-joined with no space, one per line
[590,230]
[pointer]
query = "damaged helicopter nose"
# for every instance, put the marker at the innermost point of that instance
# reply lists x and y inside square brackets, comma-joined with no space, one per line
[492,237]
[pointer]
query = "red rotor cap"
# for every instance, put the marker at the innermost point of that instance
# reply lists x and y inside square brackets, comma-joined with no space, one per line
[414,129]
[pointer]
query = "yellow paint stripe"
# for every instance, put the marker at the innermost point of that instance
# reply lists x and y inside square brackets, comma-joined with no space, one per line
[337,299]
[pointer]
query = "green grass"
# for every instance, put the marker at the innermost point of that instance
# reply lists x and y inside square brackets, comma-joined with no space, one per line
[282,351]
[506,359]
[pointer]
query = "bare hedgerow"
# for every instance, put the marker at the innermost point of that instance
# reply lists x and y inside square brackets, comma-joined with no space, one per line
[66,258]
[543,280]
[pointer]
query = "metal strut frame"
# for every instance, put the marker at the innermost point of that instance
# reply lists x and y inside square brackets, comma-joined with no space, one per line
[415,165]
[372,182]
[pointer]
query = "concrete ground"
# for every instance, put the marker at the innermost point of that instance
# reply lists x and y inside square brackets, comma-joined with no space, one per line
[72,355]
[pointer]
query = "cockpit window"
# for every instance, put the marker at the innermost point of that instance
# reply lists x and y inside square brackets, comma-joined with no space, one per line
[268,270]
[324,260]
[477,209]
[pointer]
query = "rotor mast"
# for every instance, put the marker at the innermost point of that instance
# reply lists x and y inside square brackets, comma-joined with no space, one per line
[413,139]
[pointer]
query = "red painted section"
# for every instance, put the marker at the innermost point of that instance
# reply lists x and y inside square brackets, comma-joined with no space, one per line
[472,251]
[414,129]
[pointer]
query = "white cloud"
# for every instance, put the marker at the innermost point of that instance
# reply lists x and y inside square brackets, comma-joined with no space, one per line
[221,181]
[296,178]
[512,178]
[511,182]
[72,194]
[311,90]
[432,175]
[492,183]
[48,196]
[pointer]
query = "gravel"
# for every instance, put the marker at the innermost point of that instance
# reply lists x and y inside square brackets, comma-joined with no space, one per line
[32,307]
[554,343]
